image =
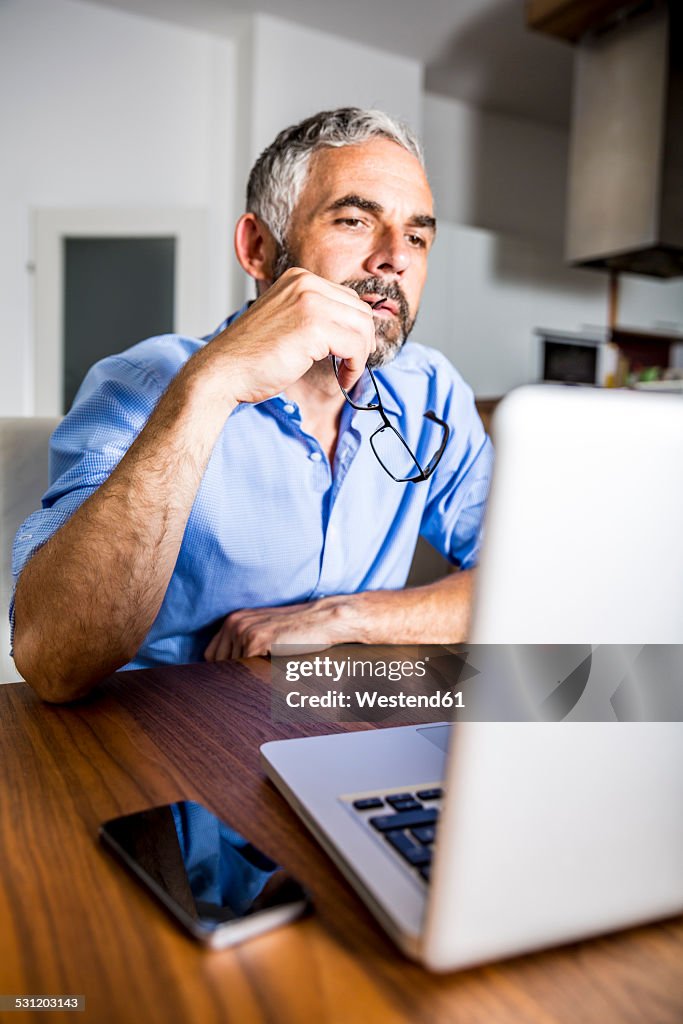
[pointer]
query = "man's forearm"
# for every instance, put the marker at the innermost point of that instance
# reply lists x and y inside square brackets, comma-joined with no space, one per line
[434,614]
[87,599]
[438,613]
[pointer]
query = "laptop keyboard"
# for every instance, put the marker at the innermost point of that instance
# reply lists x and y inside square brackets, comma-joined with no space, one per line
[407,821]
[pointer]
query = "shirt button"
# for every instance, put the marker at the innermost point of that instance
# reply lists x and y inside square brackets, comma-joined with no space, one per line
[289,409]
[315,456]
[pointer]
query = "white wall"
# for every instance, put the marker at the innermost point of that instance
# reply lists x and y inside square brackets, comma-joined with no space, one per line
[485,294]
[103,108]
[495,172]
[651,304]
[298,71]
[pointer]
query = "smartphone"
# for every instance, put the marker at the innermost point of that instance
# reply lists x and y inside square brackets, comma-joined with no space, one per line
[216,883]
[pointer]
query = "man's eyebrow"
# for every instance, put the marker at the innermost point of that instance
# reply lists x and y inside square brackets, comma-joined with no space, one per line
[423,220]
[358,201]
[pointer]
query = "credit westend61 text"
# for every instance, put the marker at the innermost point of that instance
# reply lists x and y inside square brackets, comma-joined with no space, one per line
[368,699]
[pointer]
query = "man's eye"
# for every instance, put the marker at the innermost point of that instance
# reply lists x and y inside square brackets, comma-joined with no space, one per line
[350,222]
[416,240]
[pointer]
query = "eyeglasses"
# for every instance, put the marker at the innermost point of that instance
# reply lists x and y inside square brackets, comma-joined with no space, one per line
[390,448]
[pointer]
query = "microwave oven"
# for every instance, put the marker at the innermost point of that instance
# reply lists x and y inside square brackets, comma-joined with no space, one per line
[573,358]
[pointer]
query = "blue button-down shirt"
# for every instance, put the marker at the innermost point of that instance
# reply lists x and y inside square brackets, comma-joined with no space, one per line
[273,522]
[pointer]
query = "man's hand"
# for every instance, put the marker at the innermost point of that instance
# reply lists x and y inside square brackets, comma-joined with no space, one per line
[438,613]
[253,631]
[300,320]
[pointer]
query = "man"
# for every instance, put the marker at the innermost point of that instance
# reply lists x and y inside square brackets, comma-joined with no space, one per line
[214,497]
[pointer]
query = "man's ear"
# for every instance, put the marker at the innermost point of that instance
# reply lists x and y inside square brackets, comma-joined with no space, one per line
[255,248]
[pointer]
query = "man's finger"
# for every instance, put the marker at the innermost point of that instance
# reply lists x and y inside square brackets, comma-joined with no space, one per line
[209,652]
[352,342]
[338,292]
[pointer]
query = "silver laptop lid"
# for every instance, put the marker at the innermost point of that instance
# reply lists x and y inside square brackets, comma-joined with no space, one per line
[583,536]
[555,831]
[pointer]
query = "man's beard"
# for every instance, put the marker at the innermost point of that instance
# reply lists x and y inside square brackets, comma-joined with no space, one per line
[391,333]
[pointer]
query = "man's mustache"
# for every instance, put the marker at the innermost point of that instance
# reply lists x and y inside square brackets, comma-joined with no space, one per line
[387,289]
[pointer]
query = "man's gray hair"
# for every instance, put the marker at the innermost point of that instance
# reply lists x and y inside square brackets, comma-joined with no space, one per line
[278,176]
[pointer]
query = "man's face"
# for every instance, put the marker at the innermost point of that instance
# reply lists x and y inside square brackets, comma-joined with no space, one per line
[365,219]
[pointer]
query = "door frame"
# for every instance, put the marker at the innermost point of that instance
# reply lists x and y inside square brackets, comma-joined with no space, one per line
[187,225]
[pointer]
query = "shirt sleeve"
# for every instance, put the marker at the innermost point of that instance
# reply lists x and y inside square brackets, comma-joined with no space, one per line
[453,517]
[111,408]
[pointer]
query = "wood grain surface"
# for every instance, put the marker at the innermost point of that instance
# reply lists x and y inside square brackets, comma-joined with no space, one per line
[72,922]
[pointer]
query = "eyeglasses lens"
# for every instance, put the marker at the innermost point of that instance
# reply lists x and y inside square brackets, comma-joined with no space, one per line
[397,458]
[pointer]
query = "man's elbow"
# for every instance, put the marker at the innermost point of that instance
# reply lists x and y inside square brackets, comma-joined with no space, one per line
[52,682]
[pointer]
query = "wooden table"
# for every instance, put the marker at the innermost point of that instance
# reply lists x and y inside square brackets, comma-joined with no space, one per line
[72,922]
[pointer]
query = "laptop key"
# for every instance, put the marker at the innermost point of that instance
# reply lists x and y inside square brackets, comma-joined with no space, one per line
[369,803]
[404,819]
[416,855]
[430,794]
[425,835]
[398,798]
[407,805]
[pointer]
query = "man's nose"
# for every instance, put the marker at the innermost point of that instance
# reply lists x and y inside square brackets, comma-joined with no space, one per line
[391,255]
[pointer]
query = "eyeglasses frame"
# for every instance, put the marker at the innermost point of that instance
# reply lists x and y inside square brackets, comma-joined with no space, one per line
[423,474]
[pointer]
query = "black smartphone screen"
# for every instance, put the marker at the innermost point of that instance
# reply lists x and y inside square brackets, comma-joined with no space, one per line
[204,871]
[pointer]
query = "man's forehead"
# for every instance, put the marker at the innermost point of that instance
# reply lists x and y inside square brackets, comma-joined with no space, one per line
[378,170]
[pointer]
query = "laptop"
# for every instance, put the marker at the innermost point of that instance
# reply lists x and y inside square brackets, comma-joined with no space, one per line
[482,840]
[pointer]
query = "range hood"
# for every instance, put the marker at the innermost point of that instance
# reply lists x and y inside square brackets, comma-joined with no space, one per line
[625,192]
